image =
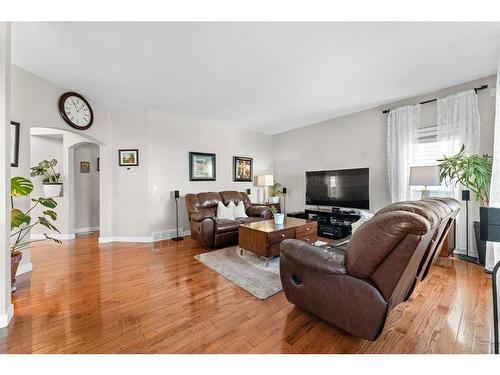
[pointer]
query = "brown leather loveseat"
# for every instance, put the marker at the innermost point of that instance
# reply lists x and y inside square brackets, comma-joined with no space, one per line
[355,286]
[210,231]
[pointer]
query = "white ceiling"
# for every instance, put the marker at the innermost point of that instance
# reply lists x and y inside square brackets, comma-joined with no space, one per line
[269,77]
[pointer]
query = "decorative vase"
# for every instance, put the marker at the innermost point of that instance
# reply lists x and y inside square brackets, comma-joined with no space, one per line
[52,190]
[274,199]
[279,219]
[15,259]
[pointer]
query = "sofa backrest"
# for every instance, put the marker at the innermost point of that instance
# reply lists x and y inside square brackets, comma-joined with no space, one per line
[383,247]
[235,197]
[208,201]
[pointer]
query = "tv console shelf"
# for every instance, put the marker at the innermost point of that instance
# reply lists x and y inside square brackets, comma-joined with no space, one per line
[334,224]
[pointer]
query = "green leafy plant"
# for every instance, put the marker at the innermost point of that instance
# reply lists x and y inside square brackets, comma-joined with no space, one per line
[275,190]
[472,171]
[21,222]
[46,169]
[273,210]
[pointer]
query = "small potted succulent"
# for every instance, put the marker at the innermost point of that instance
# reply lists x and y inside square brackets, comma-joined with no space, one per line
[51,180]
[21,222]
[278,218]
[274,192]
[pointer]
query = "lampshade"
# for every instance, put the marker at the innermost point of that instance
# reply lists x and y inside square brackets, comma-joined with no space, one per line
[265,180]
[425,176]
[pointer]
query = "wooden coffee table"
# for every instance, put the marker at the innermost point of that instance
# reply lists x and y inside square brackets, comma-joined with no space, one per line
[264,237]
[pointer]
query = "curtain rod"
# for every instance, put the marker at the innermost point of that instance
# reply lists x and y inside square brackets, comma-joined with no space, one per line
[433,100]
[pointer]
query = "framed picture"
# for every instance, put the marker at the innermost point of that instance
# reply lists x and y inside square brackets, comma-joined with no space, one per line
[84,167]
[14,143]
[128,158]
[242,169]
[201,166]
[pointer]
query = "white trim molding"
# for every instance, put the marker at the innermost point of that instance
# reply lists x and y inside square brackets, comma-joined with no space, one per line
[58,236]
[85,230]
[24,268]
[140,239]
[6,318]
[157,236]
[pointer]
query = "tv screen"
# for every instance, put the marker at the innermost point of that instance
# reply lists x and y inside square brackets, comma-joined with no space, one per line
[341,188]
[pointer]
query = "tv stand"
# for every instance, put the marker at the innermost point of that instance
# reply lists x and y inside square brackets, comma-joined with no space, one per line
[335,224]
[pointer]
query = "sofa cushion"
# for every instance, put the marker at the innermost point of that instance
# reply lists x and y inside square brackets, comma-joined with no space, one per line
[225,213]
[224,226]
[239,210]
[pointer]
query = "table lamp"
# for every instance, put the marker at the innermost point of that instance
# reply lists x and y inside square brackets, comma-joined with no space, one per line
[265,180]
[425,176]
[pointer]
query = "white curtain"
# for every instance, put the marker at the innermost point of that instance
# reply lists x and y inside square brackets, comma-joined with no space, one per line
[493,249]
[458,124]
[402,126]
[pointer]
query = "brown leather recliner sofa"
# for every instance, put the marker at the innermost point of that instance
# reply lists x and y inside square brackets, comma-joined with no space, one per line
[210,231]
[355,286]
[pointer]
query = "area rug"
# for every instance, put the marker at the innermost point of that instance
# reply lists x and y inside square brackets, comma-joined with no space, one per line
[248,271]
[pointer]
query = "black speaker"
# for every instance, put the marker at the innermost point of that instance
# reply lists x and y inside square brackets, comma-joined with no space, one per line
[176,196]
[249,191]
[465,195]
[284,190]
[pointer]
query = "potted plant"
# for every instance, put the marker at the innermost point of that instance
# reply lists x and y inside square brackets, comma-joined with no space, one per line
[278,218]
[21,222]
[474,172]
[52,186]
[274,192]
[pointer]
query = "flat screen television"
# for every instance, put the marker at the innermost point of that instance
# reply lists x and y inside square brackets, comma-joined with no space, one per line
[339,188]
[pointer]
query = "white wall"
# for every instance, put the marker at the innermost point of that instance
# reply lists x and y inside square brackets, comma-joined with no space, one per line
[34,104]
[86,197]
[6,308]
[360,140]
[171,138]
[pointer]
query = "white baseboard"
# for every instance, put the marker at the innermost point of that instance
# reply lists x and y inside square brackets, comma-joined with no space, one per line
[24,268]
[88,229]
[157,236]
[58,236]
[6,318]
[141,239]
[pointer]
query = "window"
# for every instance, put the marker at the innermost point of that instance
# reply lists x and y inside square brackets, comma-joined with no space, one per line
[427,152]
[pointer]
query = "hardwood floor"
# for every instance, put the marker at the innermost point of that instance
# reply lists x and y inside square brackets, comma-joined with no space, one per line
[83,297]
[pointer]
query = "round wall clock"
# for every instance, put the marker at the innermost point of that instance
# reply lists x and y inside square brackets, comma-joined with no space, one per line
[76,111]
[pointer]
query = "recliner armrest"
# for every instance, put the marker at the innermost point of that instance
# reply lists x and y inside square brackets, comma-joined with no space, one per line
[331,260]
[260,211]
[202,215]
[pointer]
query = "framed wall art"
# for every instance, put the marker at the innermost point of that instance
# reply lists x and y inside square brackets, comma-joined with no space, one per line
[202,166]
[242,169]
[128,158]
[14,143]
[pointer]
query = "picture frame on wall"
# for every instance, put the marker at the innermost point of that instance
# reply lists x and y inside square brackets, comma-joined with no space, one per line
[128,157]
[202,166]
[84,167]
[15,128]
[242,169]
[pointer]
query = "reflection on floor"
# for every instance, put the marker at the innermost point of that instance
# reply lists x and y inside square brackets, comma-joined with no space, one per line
[83,297]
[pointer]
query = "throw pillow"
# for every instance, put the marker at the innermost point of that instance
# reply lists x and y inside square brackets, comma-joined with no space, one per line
[224,212]
[239,210]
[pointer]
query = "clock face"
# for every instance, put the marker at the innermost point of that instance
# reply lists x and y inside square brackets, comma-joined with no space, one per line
[76,111]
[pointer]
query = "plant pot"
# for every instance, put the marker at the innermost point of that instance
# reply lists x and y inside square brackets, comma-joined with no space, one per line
[52,190]
[480,244]
[279,219]
[274,199]
[15,259]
